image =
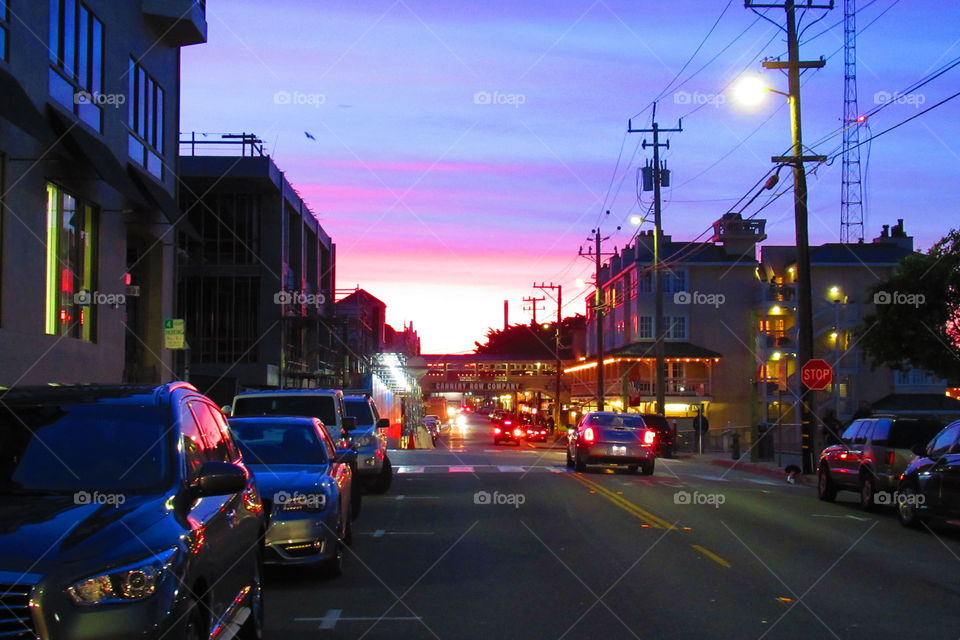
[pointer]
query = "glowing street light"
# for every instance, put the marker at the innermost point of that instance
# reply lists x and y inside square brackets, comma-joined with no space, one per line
[636,220]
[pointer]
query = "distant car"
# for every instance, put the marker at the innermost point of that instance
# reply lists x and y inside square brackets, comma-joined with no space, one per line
[508,429]
[434,424]
[535,433]
[930,488]
[373,467]
[306,484]
[665,433]
[497,415]
[871,456]
[484,410]
[127,513]
[608,438]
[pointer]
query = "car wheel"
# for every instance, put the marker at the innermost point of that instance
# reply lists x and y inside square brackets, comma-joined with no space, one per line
[496,441]
[578,464]
[647,468]
[867,491]
[826,490]
[333,566]
[569,460]
[381,484]
[632,468]
[348,532]
[906,511]
[195,626]
[252,628]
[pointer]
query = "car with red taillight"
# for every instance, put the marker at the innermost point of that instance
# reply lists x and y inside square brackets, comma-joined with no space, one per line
[509,429]
[535,433]
[608,438]
[872,455]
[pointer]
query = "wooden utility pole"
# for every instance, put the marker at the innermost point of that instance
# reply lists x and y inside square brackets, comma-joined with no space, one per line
[559,363]
[804,320]
[659,322]
[533,306]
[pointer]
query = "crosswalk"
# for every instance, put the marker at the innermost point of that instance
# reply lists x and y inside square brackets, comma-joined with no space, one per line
[477,468]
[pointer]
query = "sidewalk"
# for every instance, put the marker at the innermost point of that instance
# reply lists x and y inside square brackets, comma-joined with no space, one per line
[422,440]
[765,468]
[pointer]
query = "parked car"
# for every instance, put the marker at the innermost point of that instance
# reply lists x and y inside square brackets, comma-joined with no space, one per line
[127,512]
[374,468]
[608,438]
[508,429]
[305,482]
[871,456]
[930,488]
[324,404]
[535,433]
[434,425]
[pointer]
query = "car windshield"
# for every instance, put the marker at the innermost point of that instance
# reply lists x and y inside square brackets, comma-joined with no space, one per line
[64,448]
[278,443]
[601,420]
[359,409]
[308,406]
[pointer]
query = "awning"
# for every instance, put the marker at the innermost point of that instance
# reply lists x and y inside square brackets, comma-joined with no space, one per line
[83,144]
[671,350]
[17,108]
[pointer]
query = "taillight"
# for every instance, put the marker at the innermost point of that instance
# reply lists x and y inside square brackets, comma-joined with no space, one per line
[496,430]
[507,422]
[589,435]
[518,432]
[649,436]
[891,456]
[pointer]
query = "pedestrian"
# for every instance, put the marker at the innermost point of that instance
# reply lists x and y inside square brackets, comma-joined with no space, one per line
[830,428]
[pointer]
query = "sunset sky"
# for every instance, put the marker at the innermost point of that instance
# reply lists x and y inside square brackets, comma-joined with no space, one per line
[465,150]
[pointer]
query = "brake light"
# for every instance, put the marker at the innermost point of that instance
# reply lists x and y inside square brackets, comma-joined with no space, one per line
[496,430]
[891,456]
[507,422]
[518,432]
[649,436]
[589,435]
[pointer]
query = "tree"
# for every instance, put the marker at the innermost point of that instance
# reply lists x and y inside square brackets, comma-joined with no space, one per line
[530,340]
[916,324]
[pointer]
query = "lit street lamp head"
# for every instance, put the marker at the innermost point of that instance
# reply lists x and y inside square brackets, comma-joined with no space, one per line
[749,91]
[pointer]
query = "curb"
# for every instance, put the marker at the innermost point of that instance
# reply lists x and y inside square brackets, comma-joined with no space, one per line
[749,467]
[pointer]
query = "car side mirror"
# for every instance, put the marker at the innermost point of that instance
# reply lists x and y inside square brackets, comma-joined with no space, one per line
[383,423]
[220,479]
[919,449]
[345,456]
[349,423]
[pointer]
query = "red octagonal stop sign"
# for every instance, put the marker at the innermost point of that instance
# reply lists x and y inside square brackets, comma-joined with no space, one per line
[816,374]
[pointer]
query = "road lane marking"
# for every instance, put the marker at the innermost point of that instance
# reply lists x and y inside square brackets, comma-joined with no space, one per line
[511,469]
[406,497]
[710,554]
[379,533]
[409,469]
[333,616]
[464,468]
[843,517]
[623,503]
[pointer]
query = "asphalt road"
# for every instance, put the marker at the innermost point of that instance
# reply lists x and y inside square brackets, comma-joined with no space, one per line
[477,541]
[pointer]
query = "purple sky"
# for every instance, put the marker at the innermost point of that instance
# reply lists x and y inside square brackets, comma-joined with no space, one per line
[465,150]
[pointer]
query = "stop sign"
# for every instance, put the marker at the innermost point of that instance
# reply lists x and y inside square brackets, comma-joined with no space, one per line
[816,374]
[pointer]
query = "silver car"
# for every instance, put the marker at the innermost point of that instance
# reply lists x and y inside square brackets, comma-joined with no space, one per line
[608,438]
[305,482]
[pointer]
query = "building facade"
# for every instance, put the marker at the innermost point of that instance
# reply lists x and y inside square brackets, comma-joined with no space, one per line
[89,119]
[256,280]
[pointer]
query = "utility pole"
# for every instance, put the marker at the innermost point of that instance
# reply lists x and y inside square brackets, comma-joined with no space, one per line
[556,399]
[533,306]
[598,306]
[797,159]
[659,323]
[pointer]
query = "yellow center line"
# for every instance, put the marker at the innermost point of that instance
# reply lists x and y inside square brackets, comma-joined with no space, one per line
[626,505]
[710,554]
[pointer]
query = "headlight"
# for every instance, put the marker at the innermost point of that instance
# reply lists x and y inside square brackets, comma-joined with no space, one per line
[131,583]
[365,441]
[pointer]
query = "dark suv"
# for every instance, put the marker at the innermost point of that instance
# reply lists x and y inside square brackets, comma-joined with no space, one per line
[125,512]
[871,456]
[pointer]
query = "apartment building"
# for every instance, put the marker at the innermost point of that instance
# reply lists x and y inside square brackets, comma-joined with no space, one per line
[89,117]
[256,281]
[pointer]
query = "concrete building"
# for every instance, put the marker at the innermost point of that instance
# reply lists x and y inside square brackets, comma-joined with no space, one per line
[89,118]
[256,283]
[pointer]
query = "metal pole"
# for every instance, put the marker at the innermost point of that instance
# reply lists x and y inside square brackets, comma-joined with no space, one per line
[598,314]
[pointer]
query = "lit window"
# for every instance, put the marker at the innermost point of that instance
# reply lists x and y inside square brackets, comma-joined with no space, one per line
[145,120]
[76,58]
[71,259]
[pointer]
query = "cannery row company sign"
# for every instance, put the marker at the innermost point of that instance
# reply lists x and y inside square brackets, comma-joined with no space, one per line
[477,386]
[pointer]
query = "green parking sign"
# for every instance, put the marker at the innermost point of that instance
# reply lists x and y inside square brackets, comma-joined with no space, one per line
[174,333]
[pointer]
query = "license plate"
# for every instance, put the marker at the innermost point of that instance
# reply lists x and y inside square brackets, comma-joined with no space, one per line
[618,450]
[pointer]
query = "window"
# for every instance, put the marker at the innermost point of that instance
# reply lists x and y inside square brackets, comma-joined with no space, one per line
[645,281]
[194,450]
[71,265]
[676,328]
[145,120]
[674,281]
[76,58]
[942,443]
[646,327]
[4,30]
[851,432]
[861,437]
[215,433]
